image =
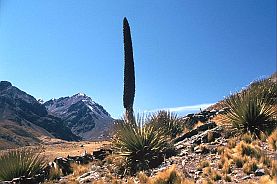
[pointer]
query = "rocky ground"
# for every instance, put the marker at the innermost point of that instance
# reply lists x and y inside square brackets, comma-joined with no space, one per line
[204,144]
[205,154]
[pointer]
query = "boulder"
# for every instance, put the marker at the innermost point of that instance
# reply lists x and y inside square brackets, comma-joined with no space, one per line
[101,154]
[259,172]
[64,165]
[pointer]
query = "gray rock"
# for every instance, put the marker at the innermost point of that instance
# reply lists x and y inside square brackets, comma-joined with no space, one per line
[259,172]
[193,132]
[246,177]
[88,177]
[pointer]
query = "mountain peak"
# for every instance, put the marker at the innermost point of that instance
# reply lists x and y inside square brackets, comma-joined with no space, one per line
[82,115]
[4,85]
[80,95]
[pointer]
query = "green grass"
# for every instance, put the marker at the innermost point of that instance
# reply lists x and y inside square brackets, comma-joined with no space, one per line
[22,162]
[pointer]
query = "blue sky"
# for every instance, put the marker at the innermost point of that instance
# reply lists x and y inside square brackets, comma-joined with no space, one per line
[187,53]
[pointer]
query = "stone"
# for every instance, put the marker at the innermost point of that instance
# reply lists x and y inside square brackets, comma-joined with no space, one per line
[246,177]
[101,154]
[88,177]
[259,172]
[198,172]
[64,165]
[198,151]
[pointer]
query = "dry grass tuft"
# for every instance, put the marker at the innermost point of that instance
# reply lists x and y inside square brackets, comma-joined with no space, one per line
[227,153]
[226,169]
[250,167]
[170,175]
[265,160]
[267,180]
[143,178]
[222,161]
[207,171]
[231,143]
[203,164]
[211,137]
[207,181]
[247,137]
[215,175]
[273,168]
[247,149]
[204,148]
[220,149]
[78,169]
[54,174]
[239,161]
[227,178]
[272,140]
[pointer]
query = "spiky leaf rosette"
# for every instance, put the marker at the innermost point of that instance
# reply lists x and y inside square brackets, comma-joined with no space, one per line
[22,162]
[129,71]
[167,122]
[249,111]
[142,146]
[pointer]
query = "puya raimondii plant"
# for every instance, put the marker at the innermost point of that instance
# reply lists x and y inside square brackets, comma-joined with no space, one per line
[21,162]
[129,73]
[142,146]
[252,110]
[167,122]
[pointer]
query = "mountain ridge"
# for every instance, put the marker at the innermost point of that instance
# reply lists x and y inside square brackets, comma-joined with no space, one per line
[24,119]
[82,115]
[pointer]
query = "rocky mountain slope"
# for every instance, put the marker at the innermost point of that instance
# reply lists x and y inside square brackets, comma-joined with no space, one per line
[23,119]
[83,116]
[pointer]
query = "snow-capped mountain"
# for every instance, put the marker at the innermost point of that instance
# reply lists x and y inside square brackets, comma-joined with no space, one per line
[82,115]
[23,120]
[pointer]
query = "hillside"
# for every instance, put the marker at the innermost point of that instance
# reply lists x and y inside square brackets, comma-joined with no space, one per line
[23,119]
